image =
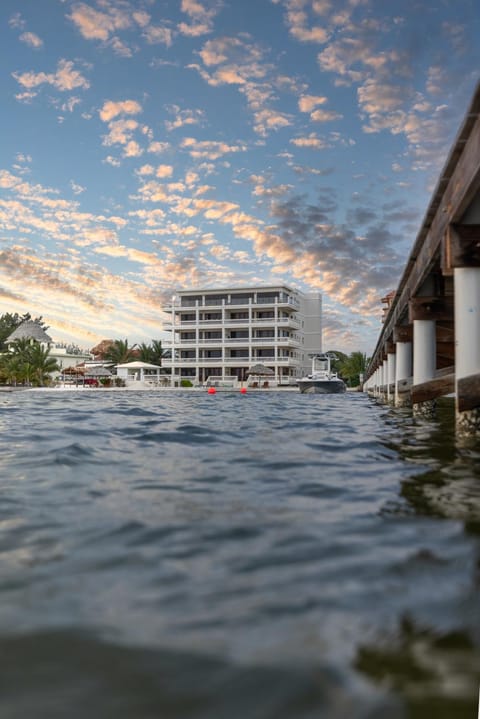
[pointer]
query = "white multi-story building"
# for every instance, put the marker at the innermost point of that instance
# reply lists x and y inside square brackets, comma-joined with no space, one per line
[221,333]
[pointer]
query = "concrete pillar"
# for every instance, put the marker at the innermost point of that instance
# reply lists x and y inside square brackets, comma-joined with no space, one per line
[424,359]
[403,370]
[467,339]
[391,365]
[380,381]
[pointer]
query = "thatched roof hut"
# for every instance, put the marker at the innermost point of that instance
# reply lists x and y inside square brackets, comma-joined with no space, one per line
[30,330]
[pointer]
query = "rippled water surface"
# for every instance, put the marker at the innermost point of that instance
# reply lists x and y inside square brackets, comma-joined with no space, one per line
[264,556]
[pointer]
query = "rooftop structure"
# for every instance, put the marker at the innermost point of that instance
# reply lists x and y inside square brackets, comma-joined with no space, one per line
[29,330]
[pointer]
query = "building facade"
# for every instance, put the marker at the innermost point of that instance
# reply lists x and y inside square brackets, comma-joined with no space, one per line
[221,333]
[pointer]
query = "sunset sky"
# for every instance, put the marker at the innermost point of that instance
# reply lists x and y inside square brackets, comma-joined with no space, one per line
[155,145]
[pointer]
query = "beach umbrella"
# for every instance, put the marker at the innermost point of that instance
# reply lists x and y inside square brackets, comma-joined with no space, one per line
[74,370]
[260,370]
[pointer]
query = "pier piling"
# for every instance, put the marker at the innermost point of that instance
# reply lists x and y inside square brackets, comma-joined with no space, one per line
[429,346]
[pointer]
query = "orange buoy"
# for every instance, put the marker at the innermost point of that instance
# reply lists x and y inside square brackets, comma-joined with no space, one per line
[212,390]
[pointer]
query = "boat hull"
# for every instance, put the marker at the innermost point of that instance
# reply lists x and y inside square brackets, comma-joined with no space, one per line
[321,386]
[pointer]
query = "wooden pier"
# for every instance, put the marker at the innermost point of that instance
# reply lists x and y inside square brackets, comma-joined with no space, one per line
[429,345]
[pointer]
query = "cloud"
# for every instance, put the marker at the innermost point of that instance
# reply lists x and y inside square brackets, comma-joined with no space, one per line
[164,171]
[155,35]
[77,189]
[96,25]
[312,141]
[183,117]
[299,23]
[16,21]
[306,103]
[105,24]
[132,149]
[120,132]
[112,109]
[324,116]
[209,149]
[64,79]
[201,17]
[29,38]
[157,148]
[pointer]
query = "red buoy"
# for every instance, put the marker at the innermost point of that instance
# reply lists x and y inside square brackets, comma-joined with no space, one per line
[211,390]
[243,390]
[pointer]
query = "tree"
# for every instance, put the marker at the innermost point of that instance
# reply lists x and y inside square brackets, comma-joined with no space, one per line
[43,365]
[119,352]
[28,362]
[336,364]
[151,353]
[352,367]
[99,350]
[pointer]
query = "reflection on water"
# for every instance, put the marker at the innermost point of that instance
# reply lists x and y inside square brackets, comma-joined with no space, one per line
[436,674]
[272,555]
[450,487]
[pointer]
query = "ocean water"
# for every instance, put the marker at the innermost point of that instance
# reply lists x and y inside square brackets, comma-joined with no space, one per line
[273,555]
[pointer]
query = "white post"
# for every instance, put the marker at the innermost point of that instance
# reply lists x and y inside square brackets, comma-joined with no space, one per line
[467,334]
[391,365]
[467,321]
[384,376]
[403,367]
[424,351]
[424,361]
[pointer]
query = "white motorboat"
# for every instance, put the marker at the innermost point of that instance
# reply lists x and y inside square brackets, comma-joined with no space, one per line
[322,380]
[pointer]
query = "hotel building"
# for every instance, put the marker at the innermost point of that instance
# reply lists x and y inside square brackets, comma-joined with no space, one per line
[221,333]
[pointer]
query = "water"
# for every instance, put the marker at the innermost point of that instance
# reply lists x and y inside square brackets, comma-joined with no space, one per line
[267,556]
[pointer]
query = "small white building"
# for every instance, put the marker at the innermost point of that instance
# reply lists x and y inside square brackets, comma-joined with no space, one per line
[139,372]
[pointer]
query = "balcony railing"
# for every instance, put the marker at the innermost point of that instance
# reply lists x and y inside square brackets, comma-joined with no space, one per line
[233,302]
[262,321]
[232,361]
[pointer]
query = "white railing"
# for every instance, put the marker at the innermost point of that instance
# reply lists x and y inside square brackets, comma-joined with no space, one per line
[266,341]
[280,361]
[283,321]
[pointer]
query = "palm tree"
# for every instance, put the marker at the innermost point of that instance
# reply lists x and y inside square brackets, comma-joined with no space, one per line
[352,367]
[119,352]
[43,365]
[12,368]
[145,353]
[152,353]
[28,362]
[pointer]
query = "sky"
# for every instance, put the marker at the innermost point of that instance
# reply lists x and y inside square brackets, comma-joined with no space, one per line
[156,145]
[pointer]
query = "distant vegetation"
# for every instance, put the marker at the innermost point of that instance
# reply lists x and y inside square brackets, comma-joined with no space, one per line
[9,323]
[350,367]
[28,363]
[120,352]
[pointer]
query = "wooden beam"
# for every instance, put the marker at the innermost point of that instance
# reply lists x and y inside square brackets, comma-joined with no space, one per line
[468,393]
[434,388]
[462,246]
[430,308]
[403,333]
